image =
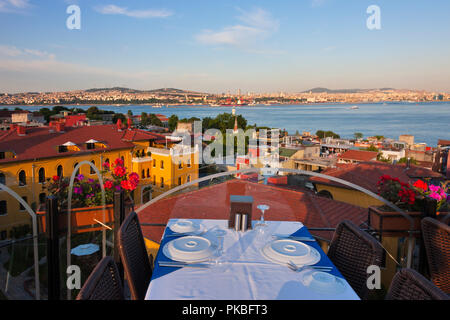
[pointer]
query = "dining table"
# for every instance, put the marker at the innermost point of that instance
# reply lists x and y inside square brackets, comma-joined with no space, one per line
[239,269]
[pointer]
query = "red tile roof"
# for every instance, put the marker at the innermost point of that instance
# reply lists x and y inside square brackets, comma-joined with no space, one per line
[213,202]
[359,155]
[443,142]
[40,142]
[367,174]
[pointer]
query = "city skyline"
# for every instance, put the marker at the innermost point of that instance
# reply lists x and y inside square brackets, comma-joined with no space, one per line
[218,47]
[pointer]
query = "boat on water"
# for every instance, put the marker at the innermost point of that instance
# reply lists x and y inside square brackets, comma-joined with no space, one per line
[354,108]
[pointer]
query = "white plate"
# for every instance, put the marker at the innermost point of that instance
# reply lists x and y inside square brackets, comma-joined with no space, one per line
[183,226]
[189,249]
[322,282]
[285,250]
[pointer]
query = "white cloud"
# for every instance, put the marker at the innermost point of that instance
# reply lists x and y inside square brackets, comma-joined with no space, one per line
[12,51]
[148,13]
[255,25]
[14,6]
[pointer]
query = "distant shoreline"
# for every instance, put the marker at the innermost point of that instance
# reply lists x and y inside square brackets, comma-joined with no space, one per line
[209,106]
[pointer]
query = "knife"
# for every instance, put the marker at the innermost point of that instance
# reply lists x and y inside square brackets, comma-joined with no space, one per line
[182,265]
[294,238]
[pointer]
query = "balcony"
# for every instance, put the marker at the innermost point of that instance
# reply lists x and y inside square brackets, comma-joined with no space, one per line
[210,200]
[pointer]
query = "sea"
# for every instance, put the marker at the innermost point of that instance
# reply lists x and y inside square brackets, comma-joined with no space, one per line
[427,122]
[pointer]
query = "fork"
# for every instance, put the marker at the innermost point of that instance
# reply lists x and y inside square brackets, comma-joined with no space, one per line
[295,268]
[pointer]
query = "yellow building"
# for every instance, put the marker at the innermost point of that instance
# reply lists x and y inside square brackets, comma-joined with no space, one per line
[31,156]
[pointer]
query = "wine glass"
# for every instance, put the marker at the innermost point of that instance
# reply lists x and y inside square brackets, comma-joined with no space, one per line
[261,222]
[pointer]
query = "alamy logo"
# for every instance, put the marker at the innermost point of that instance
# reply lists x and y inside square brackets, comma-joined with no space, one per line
[374,20]
[73,22]
[374,279]
[73,277]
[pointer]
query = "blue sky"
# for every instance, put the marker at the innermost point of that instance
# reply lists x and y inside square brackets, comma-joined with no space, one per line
[216,46]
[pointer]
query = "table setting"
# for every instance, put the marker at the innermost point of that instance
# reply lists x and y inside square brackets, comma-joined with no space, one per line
[205,259]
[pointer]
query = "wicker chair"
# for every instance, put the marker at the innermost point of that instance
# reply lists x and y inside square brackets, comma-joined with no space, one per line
[103,283]
[436,236]
[411,285]
[352,250]
[133,253]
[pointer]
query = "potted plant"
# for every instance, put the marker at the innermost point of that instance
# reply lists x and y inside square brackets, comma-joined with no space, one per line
[87,202]
[440,193]
[404,196]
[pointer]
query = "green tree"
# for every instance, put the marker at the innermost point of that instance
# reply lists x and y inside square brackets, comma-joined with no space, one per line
[118,116]
[173,121]
[371,148]
[358,135]
[324,134]
[145,121]
[154,120]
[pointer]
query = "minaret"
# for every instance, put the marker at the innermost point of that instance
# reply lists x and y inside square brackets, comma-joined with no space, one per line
[233,112]
[235,125]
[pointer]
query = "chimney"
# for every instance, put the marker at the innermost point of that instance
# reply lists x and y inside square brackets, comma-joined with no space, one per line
[21,130]
[59,126]
[119,124]
[129,123]
[12,126]
[408,163]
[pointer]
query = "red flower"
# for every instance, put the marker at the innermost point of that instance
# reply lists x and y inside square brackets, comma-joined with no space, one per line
[108,184]
[421,185]
[119,171]
[119,162]
[55,178]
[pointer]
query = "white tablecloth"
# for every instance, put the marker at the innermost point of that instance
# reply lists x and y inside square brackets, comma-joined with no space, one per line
[246,276]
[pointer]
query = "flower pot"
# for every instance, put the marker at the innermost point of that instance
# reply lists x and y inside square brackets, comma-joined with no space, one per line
[392,223]
[82,219]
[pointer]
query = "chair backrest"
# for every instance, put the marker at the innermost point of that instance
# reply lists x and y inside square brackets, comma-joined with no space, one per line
[133,253]
[104,283]
[408,284]
[352,251]
[436,236]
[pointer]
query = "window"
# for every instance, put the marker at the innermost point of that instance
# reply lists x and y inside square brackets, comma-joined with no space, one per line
[3,235]
[3,208]
[107,167]
[179,181]
[22,178]
[41,175]
[154,163]
[189,163]
[162,164]
[42,198]
[62,149]
[148,173]
[22,208]
[2,155]
[2,178]
[59,171]
[188,179]
[90,146]
[162,182]
[143,174]
[92,171]
[180,165]
[154,180]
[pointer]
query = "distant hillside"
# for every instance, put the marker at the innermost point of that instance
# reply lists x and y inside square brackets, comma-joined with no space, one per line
[128,90]
[325,90]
